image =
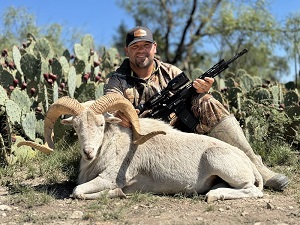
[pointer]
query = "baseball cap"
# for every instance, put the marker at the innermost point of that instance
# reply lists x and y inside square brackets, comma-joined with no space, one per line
[137,34]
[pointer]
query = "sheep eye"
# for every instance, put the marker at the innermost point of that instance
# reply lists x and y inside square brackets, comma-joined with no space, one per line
[99,124]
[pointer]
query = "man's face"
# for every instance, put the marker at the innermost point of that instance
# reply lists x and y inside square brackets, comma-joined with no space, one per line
[141,54]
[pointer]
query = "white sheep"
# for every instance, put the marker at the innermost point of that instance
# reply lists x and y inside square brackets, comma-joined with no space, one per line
[118,161]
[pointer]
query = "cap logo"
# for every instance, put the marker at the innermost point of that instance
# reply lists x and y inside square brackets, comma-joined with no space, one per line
[140,33]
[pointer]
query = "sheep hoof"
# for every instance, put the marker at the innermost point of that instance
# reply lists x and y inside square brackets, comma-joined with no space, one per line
[78,196]
[277,182]
[118,192]
[212,196]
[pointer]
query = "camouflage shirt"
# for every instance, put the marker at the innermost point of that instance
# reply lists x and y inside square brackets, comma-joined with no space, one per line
[207,109]
[137,90]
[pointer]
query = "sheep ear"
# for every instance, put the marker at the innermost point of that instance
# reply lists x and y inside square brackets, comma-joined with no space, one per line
[67,121]
[110,118]
[114,120]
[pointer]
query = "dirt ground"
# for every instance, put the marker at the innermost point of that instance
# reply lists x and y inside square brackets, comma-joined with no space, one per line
[275,208]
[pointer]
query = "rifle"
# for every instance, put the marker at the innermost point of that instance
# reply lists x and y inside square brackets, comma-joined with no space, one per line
[173,98]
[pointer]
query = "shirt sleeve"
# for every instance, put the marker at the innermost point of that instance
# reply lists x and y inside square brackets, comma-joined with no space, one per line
[114,84]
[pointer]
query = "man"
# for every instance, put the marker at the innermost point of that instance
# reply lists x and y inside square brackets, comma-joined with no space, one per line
[141,75]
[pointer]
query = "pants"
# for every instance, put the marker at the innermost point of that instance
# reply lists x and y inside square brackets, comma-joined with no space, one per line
[209,111]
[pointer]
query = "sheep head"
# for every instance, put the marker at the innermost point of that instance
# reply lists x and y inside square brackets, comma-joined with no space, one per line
[114,102]
[106,103]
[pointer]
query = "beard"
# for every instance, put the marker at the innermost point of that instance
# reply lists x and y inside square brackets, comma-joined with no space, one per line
[143,62]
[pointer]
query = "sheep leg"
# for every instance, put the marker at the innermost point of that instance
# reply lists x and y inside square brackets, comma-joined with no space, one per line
[96,188]
[115,193]
[229,193]
[234,168]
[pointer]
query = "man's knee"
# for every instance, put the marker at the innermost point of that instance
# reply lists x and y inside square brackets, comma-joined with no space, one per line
[209,111]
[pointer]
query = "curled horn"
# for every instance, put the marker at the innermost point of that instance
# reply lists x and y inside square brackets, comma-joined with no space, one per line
[62,106]
[113,102]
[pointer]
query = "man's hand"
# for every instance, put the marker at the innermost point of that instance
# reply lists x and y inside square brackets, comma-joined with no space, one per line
[203,86]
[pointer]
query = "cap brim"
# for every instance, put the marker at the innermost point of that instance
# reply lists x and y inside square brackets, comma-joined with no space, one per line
[138,40]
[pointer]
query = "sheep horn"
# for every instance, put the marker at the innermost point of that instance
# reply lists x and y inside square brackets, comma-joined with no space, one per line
[112,102]
[42,148]
[62,106]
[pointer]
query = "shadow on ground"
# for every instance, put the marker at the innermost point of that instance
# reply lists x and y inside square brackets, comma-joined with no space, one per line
[58,190]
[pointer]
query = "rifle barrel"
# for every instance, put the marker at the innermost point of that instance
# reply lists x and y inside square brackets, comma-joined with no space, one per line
[237,56]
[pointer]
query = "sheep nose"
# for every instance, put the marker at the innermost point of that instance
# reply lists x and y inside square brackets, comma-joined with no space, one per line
[87,152]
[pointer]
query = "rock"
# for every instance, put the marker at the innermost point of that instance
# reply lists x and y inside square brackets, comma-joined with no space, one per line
[76,215]
[270,206]
[5,208]
[244,213]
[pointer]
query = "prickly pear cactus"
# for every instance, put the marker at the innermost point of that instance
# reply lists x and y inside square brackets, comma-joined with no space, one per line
[230,83]
[246,82]
[20,154]
[28,122]
[291,98]
[196,73]
[42,46]
[218,95]
[99,91]
[21,98]
[234,96]
[33,77]
[29,66]
[6,79]
[262,95]
[276,94]
[264,109]
[13,112]
[65,66]
[3,96]
[17,58]
[72,80]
